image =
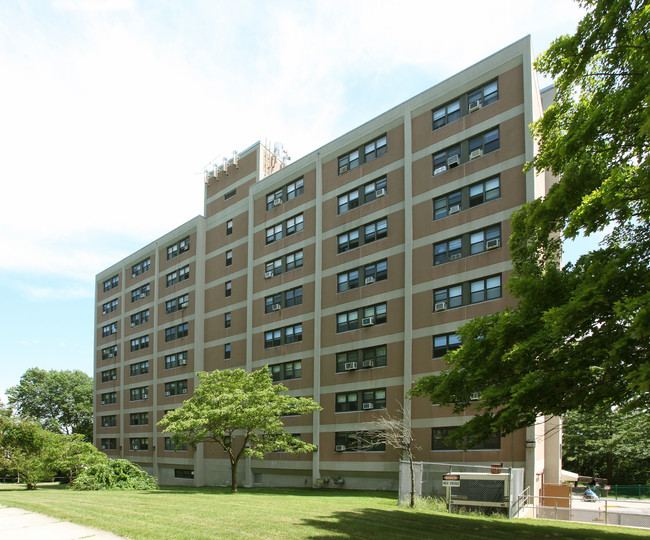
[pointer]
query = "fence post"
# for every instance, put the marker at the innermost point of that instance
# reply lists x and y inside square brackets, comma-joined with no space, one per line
[606,514]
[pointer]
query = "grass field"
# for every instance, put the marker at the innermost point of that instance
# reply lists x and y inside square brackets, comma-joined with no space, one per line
[214,513]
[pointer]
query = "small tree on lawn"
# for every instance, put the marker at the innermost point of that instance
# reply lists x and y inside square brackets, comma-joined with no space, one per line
[395,431]
[240,411]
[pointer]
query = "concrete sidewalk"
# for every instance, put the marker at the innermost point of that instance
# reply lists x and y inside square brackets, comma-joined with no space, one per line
[19,524]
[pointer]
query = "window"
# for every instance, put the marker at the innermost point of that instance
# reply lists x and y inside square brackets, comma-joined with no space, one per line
[184,473]
[140,318]
[139,443]
[171,446]
[467,293]
[368,152]
[483,96]
[176,360]
[485,289]
[449,204]
[176,332]
[226,351]
[444,343]
[292,297]
[371,232]
[287,228]
[140,292]
[366,275]
[485,191]
[178,275]
[280,336]
[447,159]
[446,114]
[484,143]
[439,436]
[108,307]
[375,149]
[179,247]
[361,400]
[347,280]
[139,394]
[109,398]
[447,251]
[485,239]
[109,444]
[109,352]
[109,329]
[361,358]
[139,419]
[285,193]
[227,320]
[176,388]
[139,368]
[362,195]
[358,441]
[228,288]
[141,267]
[109,375]
[283,264]
[139,343]
[482,192]
[286,371]
[229,257]
[109,420]
[177,303]
[230,195]
[111,283]
[367,316]
[229,227]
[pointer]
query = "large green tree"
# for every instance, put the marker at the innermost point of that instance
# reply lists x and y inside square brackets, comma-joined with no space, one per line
[241,412]
[579,336]
[608,443]
[61,401]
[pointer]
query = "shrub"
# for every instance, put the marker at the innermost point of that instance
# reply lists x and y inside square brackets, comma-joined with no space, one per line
[117,474]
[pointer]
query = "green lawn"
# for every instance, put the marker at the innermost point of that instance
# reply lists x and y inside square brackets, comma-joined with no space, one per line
[197,513]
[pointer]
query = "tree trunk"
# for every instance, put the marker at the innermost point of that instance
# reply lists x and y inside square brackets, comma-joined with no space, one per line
[233,474]
[412,502]
[610,467]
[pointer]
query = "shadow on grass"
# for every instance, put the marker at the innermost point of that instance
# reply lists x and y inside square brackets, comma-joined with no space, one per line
[407,524]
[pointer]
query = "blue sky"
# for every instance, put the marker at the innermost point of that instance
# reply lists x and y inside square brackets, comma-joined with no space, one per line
[110,109]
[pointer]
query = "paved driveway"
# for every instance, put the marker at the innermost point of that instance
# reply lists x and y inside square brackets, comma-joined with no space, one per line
[19,524]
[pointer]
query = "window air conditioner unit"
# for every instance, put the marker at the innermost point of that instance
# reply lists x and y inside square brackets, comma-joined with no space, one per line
[440,169]
[493,243]
[182,362]
[343,169]
[475,153]
[184,391]
[113,377]
[380,192]
[276,307]
[184,305]
[475,105]
[349,366]
[277,202]
[454,209]
[111,355]
[104,447]
[168,393]
[453,161]
[368,321]
[369,280]
[340,448]
[268,274]
[367,406]
[135,448]
[132,324]
[475,396]
[440,306]
[455,256]
[368,363]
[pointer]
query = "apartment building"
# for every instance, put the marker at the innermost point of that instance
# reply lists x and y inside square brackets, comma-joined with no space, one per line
[348,272]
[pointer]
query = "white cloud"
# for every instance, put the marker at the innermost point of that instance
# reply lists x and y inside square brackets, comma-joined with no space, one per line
[113,106]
